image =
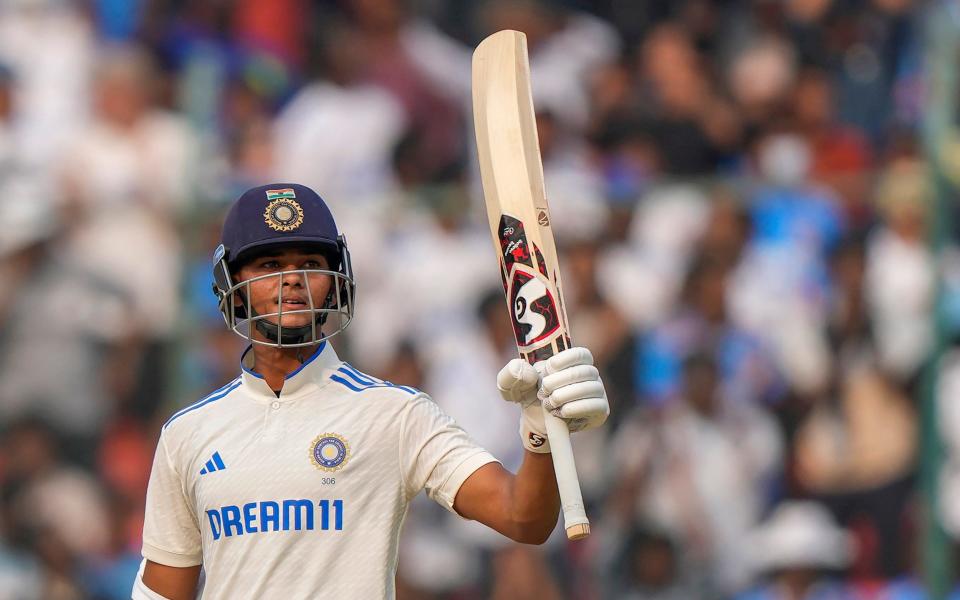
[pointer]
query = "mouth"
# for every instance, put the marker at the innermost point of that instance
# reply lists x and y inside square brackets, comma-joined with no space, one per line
[294,303]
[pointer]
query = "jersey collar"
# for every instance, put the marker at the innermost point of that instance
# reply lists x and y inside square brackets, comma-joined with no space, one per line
[312,371]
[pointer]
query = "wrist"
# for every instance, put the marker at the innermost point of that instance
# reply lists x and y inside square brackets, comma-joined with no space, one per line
[533,431]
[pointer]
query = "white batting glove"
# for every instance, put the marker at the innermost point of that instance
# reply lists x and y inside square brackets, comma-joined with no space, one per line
[518,382]
[567,384]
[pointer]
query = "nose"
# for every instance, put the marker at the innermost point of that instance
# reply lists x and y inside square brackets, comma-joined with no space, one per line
[292,277]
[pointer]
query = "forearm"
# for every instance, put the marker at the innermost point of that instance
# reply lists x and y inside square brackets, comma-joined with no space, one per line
[172,583]
[533,501]
[524,507]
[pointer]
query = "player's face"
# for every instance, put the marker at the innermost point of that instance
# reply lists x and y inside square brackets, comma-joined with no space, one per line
[298,288]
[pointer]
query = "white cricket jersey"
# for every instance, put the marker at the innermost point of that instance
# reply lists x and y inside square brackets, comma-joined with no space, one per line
[301,495]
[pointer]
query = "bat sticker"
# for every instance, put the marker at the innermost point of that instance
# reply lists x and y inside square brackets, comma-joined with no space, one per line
[563,310]
[503,276]
[513,242]
[534,311]
[540,264]
[541,354]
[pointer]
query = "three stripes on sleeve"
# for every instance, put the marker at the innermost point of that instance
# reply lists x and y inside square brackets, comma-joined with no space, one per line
[353,379]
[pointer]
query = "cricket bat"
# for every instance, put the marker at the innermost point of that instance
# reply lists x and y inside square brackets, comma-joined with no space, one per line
[512,176]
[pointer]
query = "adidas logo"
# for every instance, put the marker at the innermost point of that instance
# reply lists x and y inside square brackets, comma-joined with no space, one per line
[214,464]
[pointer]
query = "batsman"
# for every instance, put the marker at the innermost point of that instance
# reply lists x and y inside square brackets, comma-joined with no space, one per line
[292,481]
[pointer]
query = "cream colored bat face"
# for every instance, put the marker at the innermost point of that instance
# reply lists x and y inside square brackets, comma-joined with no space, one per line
[523,311]
[508,151]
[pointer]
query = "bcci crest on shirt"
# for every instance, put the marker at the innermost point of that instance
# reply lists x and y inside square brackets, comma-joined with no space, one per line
[329,452]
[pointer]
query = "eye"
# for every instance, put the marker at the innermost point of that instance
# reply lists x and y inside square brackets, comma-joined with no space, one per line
[312,264]
[269,264]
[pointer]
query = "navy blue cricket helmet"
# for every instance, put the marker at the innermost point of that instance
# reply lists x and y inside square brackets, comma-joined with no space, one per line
[276,216]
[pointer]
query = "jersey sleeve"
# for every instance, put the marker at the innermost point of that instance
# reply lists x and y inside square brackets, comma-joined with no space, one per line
[436,454]
[171,535]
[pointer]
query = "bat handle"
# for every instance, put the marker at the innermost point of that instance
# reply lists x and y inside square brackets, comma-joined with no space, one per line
[571,500]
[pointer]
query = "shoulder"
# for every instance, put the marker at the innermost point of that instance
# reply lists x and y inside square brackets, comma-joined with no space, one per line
[351,380]
[185,415]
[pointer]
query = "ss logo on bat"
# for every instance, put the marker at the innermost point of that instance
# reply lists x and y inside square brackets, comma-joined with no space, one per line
[534,311]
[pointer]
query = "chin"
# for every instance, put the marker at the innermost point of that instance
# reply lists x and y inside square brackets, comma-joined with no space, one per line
[297,321]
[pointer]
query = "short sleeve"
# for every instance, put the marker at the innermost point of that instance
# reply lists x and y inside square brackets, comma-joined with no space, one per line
[171,535]
[436,454]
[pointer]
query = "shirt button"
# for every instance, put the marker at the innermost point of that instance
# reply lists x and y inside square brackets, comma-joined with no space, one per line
[275,405]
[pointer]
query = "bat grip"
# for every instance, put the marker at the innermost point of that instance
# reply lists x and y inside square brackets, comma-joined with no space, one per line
[571,500]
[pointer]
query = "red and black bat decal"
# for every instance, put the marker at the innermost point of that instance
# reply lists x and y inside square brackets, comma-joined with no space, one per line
[539,354]
[513,242]
[503,276]
[540,264]
[534,311]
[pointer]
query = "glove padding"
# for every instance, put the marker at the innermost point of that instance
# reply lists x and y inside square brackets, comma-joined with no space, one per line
[518,382]
[567,384]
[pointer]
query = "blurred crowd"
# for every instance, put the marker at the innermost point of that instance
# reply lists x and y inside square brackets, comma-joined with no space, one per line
[741,198]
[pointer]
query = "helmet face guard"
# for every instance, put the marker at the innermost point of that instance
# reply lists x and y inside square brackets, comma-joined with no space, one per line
[328,316]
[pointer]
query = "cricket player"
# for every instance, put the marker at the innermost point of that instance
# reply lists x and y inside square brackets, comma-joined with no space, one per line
[292,481]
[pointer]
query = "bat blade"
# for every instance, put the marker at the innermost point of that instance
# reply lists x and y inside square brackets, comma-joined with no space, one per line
[520,226]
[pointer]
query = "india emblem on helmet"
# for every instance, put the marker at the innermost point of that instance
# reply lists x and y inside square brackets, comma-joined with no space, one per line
[283,213]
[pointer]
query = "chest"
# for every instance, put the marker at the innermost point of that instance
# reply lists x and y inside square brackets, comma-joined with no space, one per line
[292,453]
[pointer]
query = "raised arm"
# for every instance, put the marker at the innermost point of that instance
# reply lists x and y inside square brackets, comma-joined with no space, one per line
[525,506]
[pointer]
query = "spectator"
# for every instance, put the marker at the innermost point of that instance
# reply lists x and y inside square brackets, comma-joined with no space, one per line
[125,183]
[53,85]
[565,47]
[900,275]
[693,127]
[337,133]
[575,188]
[433,120]
[796,550]
[649,567]
[78,347]
[840,154]
[837,454]
[644,276]
[760,76]
[701,321]
[106,576]
[701,468]
[436,241]
[600,326]
[56,508]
